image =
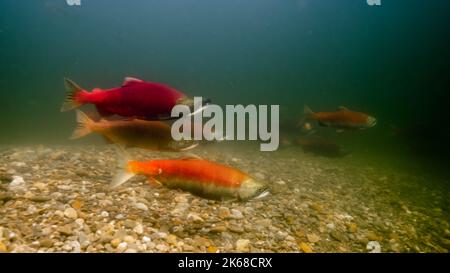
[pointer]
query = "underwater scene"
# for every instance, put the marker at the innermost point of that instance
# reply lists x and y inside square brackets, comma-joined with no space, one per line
[213,126]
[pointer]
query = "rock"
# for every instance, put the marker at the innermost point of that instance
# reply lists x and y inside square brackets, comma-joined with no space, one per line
[104,214]
[352,227]
[39,185]
[194,217]
[236,229]
[180,199]
[17,181]
[115,242]
[211,249]
[65,230]
[373,237]
[139,229]
[218,229]
[3,247]
[107,239]
[242,245]
[305,248]
[5,197]
[337,236]
[224,212]
[46,242]
[122,246]
[129,239]
[129,223]
[77,204]
[40,198]
[70,213]
[171,239]
[373,247]
[236,214]
[141,206]
[162,248]
[312,238]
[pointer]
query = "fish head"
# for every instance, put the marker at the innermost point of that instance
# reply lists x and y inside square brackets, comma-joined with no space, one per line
[371,121]
[251,188]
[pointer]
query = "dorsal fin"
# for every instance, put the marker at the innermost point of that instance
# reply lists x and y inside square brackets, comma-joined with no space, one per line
[130,80]
[343,108]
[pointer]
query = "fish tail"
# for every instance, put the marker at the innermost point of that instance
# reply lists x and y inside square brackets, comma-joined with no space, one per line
[122,171]
[72,99]
[84,125]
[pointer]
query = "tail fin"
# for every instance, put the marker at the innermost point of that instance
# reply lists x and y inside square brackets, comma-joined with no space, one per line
[71,101]
[122,174]
[84,125]
[307,110]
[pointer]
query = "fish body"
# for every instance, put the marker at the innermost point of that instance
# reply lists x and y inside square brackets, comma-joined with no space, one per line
[320,146]
[135,98]
[343,119]
[201,177]
[145,134]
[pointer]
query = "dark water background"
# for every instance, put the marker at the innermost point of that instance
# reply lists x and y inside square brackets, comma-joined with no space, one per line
[390,61]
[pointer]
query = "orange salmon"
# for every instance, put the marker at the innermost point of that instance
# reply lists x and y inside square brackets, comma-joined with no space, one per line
[342,119]
[150,135]
[201,177]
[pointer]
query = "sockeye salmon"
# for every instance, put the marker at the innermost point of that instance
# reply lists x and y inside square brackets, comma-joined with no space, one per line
[135,98]
[342,119]
[201,177]
[145,134]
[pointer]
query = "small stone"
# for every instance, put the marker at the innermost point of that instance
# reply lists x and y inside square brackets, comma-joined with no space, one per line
[3,247]
[141,206]
[104,214]
[236,229]
[218,229]
[130,250]
[46,243]
[337,236]
[77,204]
[40,199]
[180,199]
[312,238]
[129,223]
[373,247]
[236,214]
[39,185]
[106,239]
[352,227]
[373,237]
[224,213]
[305,248]
[242,245]
[65,230]
[5,197]
[171,239]
[122,246]
[145,239]
[115,242]
[162,248]
[17,181]
[281,182]
[211,249]
[194,217]
[139,229]
[71,213]
[129,239]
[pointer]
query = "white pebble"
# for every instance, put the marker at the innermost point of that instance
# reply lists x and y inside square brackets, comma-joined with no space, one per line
[139,229]
[373,247]
[71,213]
[104,214]
[141,206]
[17,181]
[145,239]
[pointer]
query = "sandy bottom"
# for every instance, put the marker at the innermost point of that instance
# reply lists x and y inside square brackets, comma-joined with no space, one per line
[55,199]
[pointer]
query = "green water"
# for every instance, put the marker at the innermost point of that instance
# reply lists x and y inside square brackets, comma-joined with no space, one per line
[390,61]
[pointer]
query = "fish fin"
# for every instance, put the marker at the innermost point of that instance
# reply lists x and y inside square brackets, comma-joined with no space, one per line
[130,80]
[71,100]
[84,125]
[191,156]
[122,174]
[307,110]
[339,130]
[154,182]
[189,147]
[343,108]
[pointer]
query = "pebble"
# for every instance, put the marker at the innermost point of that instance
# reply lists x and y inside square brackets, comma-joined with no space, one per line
[71,213]
[305,248]
[373,247]
[236,214]
[337,236]
[46,242]
[312,238]
[224,213]
[115,242]
[17,181]
[194,217]
[3,247]
[104,214]
[139,229]
[242,245]
[65,230]
[141,206]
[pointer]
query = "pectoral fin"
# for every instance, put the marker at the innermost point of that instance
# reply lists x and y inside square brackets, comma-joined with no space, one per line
[153,182]
[343,108]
